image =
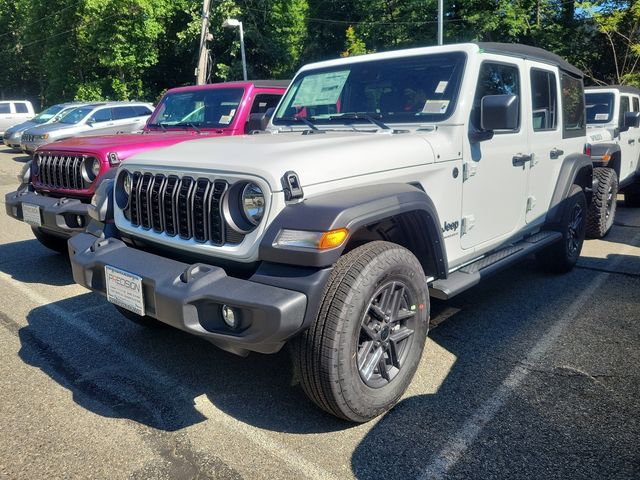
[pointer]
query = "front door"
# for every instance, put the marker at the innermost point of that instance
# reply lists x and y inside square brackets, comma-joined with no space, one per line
[628,140]
[493,192]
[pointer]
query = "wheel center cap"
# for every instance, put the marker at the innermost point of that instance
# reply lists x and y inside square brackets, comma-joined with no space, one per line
[384,334]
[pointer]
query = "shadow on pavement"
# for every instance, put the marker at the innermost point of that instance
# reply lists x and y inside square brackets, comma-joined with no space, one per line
[29,262]
[153,376]
[17,156]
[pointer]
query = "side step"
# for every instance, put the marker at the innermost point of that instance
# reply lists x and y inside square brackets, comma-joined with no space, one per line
[471,274]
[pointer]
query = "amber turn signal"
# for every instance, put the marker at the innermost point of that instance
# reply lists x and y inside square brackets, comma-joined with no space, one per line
[333,238]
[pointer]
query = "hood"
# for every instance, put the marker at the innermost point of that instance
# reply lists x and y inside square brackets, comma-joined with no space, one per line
[316,158]
[21,127]
[599,135]
[124,145]
[52,128]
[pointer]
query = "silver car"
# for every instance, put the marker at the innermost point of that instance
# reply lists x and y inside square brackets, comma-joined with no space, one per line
[13,135]
[93,119]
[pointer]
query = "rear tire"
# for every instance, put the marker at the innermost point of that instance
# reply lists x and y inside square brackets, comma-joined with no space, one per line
[361,353]
[562,256]
[602,210]
[144,321]
[52,242]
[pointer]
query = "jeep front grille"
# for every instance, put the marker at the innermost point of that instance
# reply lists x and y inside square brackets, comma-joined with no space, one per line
[180,206]
[61,171]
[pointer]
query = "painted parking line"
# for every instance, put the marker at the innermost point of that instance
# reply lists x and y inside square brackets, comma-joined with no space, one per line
[256,436]
[455,448]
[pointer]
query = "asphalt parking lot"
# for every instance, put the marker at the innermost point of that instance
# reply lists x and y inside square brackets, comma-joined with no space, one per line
[528,375]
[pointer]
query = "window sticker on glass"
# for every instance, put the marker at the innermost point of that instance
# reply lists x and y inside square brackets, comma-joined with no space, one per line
[442,86]
[321,89]
[601,116]
[226,119]
[435,106]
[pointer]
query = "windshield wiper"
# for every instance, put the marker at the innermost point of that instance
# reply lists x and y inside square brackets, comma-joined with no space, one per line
[304,120]
[189,124]
[369,117]
[160,124]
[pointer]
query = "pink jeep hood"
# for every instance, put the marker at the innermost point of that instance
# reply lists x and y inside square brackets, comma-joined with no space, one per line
[127,145]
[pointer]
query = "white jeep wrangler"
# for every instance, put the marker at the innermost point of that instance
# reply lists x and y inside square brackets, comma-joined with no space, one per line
[383,179]
[613,142]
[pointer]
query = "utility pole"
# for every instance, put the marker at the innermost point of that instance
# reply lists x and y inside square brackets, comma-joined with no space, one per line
[205,36]
[440,20]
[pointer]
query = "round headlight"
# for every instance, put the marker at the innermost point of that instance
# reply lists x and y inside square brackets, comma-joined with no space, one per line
[123,189]
[126,183]
[252,202]
[95,167]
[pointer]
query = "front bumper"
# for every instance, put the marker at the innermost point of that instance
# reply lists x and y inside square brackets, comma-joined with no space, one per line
[190,297]
[61,216]
[11,142]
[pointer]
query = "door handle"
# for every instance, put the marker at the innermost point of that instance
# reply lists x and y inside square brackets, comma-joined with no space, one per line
[520,159]
[631,142]
[555,153]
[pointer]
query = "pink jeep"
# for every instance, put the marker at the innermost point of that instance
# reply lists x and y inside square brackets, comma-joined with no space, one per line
[64,175]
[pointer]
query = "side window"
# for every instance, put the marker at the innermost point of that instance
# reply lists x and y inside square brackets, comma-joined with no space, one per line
[264,101]
[544,100]
[141,110]
[625,107]
[636,104]
[21,107]
[120,113]
[573,113]
[103,115]
[5,108]
[495,79]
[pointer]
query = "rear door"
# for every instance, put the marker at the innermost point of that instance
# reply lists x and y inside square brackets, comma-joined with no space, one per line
[493,191]
[634,160]
[545,139]
[23,112]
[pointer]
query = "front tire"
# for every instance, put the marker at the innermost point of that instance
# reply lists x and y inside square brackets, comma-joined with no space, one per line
[602,210]
[361,353]
[52,242]
[562,256]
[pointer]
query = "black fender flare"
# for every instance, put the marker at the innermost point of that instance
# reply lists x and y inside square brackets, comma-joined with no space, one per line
[353,209]
[577,169]
[599,150]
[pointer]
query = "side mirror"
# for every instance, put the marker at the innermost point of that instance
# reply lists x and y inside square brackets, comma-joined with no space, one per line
[91,121]
[631,120]
[258,121]
[499,112]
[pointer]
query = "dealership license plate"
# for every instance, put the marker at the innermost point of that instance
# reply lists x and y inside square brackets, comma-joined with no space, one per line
[124,289]
[31,214]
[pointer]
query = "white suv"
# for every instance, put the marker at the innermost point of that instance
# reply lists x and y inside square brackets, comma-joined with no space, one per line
[13,112]
[613,142]
[385,179]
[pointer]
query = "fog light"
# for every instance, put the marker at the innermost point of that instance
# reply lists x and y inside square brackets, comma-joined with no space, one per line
[229,316]
[79,221]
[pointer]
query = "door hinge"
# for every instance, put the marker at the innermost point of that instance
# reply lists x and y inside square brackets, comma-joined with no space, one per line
[468,222]
[531,202]
[534,159]
[469,170]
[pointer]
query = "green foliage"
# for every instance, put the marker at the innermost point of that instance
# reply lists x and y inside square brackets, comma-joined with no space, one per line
[354,45]
[54,50]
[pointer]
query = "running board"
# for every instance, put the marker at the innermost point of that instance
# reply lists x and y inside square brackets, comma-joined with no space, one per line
[471,274]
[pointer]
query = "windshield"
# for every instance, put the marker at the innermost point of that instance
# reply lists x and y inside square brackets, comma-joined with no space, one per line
[599,107]
[47,114]
[214,108]
[403,90]
[76,115]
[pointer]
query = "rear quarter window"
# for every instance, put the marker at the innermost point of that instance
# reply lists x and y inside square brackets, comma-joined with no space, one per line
[573,110]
